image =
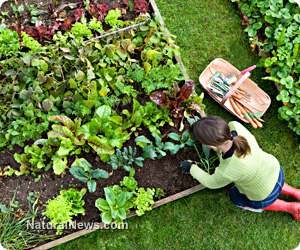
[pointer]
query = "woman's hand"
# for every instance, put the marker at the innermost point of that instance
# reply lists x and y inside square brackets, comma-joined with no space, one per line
[186,166]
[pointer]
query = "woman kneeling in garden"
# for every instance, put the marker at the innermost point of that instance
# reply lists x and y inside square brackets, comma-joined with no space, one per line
[258,176]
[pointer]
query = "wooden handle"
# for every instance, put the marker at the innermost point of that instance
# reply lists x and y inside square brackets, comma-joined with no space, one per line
[254,119]
[235,107]
[237,96]
[246,115]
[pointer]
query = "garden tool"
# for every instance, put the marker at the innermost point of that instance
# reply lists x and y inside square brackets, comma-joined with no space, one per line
[253,117]
[243,111]
[251,109]
[235,107]
[232,77]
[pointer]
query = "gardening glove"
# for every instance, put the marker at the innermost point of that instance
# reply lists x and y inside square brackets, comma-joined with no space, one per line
[186,166]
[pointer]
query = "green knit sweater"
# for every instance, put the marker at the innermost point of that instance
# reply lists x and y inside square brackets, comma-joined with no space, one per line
[254,175]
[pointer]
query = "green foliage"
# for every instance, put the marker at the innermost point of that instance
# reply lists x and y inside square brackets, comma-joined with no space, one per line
[61,80]
[9,43]
[158,77]
[120,200]
[182,141]
[112,18]
[82,170]
[116,205]
[125,159]
[63,207]
[69,139]
[129,183]
[279,22]
[158,148]
[104,133]
[59,211]
[151,151]
[81,30]
[33,159]
[74,197]
[149,116]
[5,172]
[29,42]
[16,226]
[96,25]
[144,200]
[159,193]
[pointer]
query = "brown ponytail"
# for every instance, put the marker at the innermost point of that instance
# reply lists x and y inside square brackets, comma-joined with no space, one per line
[214,131]
[242,147]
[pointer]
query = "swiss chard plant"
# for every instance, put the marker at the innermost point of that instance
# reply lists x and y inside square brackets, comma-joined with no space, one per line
[104,132]
[179,100]
[72,140]
[82,170]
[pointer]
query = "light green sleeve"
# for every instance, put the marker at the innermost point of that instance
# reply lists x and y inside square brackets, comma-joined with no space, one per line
[214,181]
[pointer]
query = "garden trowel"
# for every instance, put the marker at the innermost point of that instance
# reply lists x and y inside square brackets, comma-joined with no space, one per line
[232,77]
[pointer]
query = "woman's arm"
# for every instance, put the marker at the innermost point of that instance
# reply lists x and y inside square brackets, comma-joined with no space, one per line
[214,181]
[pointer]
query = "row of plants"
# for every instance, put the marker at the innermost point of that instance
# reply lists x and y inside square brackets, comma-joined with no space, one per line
[273,26]
[119,200]
[72,78]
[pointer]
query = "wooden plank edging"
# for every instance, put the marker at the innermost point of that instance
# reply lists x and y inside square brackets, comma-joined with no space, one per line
[163,25]
[131,214]
[178,59]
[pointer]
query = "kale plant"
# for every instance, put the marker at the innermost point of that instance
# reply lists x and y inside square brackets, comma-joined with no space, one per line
[125,159]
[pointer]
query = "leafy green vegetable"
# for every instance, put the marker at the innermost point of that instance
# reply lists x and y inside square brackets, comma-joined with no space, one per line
[144,200]
[182,140]
[112,18]
[125,159]
[9,43]
[116,205]
[33,159]
[81,170]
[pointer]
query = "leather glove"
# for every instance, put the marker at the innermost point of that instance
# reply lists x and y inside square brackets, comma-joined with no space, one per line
[186,166]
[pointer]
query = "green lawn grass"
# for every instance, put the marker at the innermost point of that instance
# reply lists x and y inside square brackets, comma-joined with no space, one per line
[205,30]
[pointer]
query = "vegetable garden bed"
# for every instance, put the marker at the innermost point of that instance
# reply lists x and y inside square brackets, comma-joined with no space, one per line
[29,101]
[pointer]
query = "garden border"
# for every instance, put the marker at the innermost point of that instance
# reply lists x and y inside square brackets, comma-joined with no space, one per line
[159,203]
[83,232]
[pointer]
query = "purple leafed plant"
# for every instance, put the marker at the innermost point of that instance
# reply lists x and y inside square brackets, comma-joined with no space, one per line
[141,6]
[177,100]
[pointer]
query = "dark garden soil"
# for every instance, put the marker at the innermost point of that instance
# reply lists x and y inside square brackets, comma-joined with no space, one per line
[161,173]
